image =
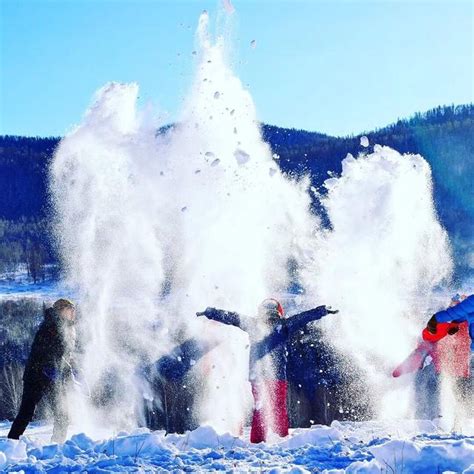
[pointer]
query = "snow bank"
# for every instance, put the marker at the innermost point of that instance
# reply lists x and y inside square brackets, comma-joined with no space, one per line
[319,436]
[354,448]
[11,451]
[418,457]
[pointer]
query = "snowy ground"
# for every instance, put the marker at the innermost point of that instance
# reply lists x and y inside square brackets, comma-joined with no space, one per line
[18,284]
[369,447]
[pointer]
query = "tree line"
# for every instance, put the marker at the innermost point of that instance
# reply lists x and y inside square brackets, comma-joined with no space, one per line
[443,135]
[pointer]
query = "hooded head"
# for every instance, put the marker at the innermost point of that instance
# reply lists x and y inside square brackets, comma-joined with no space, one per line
[65,309]
[271,310]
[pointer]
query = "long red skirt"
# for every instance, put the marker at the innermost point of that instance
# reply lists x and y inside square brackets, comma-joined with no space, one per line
[269,409]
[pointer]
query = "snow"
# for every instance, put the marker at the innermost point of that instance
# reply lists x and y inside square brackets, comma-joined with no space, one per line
[241,156]
[409,446]
[18,284]
[229,8]
[364,141]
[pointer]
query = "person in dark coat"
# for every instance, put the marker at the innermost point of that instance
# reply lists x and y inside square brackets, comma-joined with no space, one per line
[48,370]
[171,378]
[268,360]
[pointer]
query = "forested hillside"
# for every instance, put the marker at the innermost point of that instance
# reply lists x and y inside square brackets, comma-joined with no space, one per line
[444,136]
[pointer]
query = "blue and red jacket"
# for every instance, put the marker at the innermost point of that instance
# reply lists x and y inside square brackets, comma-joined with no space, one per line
[464,311]
[272,344]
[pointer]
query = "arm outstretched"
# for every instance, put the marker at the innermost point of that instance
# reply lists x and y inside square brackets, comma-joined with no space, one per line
[226,317]
[299,321]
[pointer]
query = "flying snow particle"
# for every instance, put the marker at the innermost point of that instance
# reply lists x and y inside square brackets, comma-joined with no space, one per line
[253,44]
[183,209]
[229,8]
[217,94]
[215,162]
[276,156]
[241,156]
[209,154]
[364,141]
[197,171]
[232,112]
[272,171]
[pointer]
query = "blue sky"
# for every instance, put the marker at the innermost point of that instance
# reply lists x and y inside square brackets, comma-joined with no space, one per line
[337,66]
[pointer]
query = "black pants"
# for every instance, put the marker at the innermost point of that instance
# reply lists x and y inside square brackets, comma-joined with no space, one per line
[33,392]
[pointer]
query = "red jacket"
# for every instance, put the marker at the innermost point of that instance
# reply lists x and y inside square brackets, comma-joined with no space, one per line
[450,353]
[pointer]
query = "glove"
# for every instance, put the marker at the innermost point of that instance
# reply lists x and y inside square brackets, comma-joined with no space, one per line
[453,330]
[431,325]
[203,313]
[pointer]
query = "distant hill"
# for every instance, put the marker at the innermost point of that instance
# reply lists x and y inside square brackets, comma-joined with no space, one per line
[444,136]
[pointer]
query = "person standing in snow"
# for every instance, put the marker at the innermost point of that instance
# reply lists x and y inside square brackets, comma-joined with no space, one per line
[459,314]
[462,311]
[448,347]
[268,360]
[48,370]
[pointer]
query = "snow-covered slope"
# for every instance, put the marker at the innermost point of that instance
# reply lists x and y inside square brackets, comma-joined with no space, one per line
[369,447]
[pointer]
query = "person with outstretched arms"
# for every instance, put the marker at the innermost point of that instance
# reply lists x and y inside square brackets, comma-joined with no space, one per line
[268,359]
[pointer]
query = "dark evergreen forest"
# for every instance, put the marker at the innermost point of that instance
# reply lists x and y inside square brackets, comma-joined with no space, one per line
[444,136]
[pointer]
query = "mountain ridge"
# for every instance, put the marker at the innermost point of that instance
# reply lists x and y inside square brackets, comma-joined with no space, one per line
[444,136]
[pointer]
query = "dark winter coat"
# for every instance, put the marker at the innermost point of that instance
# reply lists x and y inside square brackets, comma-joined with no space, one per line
[182,358]
[51,352]
[273,344]
[312,361]
[464,311]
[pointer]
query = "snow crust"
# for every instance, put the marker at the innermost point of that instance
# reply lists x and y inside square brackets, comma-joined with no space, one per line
[409,446]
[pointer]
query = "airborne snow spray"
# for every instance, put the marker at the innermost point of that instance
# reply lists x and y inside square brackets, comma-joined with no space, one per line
[153,227]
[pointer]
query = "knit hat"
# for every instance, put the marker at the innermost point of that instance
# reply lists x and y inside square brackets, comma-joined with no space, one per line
[63,303]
